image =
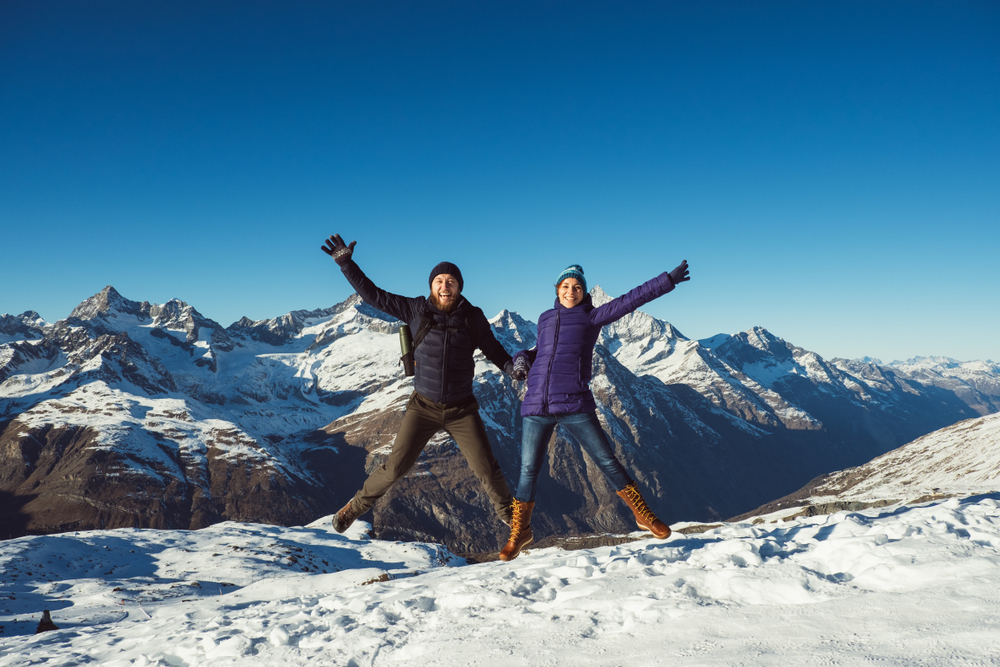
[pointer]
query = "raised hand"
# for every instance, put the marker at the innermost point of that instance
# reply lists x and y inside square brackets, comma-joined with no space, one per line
[680,274]
[340,251]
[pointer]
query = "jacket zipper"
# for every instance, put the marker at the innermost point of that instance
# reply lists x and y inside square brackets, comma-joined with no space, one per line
[548,372]
[444,364]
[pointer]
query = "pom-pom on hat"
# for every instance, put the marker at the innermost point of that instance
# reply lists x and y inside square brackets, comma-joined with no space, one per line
[573,271]
[449,268]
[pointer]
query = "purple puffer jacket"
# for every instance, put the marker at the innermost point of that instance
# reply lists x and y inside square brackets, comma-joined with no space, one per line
[559,379]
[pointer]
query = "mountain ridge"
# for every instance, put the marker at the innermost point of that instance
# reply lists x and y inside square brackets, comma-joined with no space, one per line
[276,420]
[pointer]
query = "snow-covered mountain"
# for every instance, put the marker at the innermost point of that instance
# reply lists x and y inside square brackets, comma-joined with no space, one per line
[975,382]
[131,414]
[959,460]
[135,414]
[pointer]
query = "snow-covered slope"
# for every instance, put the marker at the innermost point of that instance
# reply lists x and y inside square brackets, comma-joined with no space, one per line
[963,459]
[959,460]
[898,586]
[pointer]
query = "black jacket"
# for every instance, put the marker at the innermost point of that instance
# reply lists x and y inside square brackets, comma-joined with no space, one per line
[444,367]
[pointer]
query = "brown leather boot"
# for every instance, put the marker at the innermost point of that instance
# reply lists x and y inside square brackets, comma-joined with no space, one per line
[520,530]
[644,517]
[343,519]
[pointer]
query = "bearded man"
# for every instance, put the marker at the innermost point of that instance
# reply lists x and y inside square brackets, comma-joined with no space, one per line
[448,331]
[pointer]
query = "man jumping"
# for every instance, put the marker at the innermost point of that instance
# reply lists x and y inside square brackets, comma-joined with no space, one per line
[448,329]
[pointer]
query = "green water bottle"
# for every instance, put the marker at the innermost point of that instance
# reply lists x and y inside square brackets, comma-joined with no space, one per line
[406,347]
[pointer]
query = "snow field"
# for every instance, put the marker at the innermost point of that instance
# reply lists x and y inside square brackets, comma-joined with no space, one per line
[898,586]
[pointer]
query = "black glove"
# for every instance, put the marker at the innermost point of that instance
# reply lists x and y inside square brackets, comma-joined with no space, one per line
[340,251]
[680,274]
[521,367]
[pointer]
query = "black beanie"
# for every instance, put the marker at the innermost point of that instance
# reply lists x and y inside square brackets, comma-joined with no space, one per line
[447,267]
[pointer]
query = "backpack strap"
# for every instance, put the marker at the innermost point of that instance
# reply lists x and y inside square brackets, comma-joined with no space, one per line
[472,332]
[427,323]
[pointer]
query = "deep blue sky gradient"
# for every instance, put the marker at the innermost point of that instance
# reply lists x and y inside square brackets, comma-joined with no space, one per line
[831,170]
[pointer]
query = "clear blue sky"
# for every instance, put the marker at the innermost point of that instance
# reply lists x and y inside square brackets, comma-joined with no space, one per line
[831,170]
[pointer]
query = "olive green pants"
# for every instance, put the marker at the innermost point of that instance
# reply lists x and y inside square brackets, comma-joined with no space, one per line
[422,420]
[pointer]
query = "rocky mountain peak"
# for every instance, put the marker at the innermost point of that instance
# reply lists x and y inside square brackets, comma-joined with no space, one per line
[350,302]
[109,303]
[639,326]
[513,331]
[756,345]
[179,316]
[28,324]
[761,338]
[282,329]
[174,310]
[598,296]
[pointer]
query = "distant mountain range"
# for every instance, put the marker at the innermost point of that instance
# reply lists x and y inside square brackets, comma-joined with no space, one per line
[135,414]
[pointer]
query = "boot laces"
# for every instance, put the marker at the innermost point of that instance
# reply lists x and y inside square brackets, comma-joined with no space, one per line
[639,503]
[517,518]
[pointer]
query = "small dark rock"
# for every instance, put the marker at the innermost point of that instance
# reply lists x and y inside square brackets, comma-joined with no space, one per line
[46,623]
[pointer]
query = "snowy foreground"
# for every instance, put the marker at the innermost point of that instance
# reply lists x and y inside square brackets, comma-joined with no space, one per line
[910,585]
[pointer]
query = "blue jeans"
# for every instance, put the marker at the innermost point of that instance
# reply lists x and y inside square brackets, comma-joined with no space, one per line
[585,429]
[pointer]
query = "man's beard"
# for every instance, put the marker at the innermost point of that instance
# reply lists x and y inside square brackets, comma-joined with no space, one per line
[445,308]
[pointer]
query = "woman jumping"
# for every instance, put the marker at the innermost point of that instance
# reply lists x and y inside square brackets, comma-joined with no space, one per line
[558,371]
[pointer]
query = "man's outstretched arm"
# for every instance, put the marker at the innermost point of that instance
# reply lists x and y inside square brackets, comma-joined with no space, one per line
[391,304]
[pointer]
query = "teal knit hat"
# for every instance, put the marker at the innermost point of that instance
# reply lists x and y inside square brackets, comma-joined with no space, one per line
[573,271]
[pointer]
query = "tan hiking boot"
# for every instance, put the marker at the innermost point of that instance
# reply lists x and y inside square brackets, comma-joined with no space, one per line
[520,530]
[343,519]
[644,517]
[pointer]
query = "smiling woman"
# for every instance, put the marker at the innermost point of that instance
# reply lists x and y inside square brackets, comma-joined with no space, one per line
[558,395]
[570,292]
[571,286]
